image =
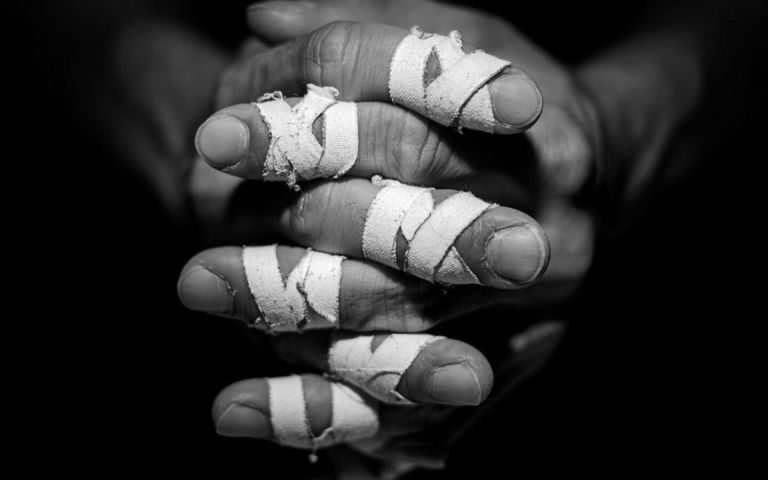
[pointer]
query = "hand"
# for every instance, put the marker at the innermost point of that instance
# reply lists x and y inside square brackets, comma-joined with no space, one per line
[564,144]
[548,174]
[172,101]
[251,168]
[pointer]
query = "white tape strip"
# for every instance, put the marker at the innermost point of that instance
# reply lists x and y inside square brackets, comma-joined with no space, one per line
[294,153]
[430,231]
[308,299]
[353,418]
[437,234]
[288,412]
[379,371]
[340,137]
[459,95]
[385,214]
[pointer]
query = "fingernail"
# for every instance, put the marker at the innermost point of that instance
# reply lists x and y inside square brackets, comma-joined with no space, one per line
[202,290]
[242,421]
[222,141]
[516,253]
[456,384]
[516,101]
[282,8]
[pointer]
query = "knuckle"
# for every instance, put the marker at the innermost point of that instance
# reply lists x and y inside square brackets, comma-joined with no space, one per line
[398,304]
[312,214]
[301,219]
[418,147]
[326,50]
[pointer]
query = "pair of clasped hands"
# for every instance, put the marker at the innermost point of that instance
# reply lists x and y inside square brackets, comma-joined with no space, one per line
[538,161]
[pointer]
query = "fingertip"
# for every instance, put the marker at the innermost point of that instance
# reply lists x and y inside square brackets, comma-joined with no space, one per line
[449,372]
[222,141]
[208,281]
[242,410]
[243,421]
[517,102]
[202,289]
[505,248]
[518,253]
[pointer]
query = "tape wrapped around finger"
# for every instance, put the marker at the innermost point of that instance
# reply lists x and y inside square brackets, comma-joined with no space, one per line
[353,417]
[294,153]
[459,95]
[376,371]
[309,298]
[430,230]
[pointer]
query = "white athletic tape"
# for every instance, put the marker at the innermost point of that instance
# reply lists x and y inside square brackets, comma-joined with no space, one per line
[378,372]
[459,96]
[294,153]
[385,215]
[434,239]
[353,417]
[308,299]
[430,231]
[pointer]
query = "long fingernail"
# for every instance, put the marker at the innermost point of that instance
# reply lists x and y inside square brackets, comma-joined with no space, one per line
[222,141]
[516,101]
[456,384]
[516,253]
[242,421]
[202,290]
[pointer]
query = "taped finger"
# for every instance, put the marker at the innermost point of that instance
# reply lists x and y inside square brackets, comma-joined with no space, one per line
[295,296]
[439,77]
[397,369]
[298,139]
[307,412]
[294,153]
[442,236]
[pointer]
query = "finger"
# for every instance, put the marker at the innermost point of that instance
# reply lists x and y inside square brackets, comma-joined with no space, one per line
[422,368]
[296,411]
[306,411]
[388,140]
[500,247]
[356,58]
[287,286]
[441,236]
[370,296]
